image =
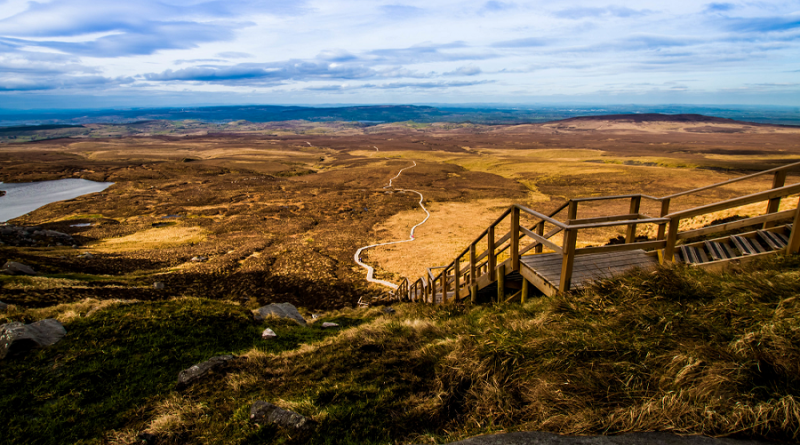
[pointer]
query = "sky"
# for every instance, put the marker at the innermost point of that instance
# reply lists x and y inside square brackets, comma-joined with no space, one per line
[109,53]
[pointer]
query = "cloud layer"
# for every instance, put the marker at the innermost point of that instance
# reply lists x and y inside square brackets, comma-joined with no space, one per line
[366,51]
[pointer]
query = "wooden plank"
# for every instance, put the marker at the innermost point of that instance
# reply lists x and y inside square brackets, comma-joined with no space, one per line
[621,247]
[606,219]
[731,181]
[779,180]
[550,245]
[736,224]
[570,238]
[630,236]
[737,202]
[515,239]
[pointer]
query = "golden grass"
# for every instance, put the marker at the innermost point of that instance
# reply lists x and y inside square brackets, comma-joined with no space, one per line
[67,312]
[450,229]
[155,238]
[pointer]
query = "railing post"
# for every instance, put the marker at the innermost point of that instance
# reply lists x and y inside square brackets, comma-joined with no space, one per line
[501,283]
[444,286]
[794,238]
[662,228]
[572,211]
[515,238]
[568,259]
[539,231]
[779,180]
[473,272]
[630,237]
[473,294]
[491,261]
[432,291]
[524,296]
[456,281]
[672,239]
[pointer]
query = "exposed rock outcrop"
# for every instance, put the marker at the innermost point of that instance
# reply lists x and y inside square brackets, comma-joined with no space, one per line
[214,365]
[34,236]
[266,413]
[14,268]
[280,310]
[17,337]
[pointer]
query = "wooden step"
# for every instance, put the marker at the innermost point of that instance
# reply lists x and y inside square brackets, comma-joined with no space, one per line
[775,241]
[719,251]
[747,246]
[692,255]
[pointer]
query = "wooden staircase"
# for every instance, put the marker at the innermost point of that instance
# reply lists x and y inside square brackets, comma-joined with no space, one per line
[539,253]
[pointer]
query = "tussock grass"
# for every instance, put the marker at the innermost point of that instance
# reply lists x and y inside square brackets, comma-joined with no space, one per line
[155,238]
[675,349]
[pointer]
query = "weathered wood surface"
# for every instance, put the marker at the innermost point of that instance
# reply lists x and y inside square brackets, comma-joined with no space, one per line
[587,268]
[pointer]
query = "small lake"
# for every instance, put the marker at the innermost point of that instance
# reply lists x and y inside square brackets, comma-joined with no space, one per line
[26,197]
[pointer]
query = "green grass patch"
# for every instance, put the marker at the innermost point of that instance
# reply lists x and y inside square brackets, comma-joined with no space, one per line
[120,359]
[675,349]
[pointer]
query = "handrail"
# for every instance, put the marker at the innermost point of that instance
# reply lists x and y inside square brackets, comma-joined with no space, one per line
[605,198]
[731,181]
[736,202]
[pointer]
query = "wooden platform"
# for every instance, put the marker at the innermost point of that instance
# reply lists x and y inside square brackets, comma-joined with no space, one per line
[544,271]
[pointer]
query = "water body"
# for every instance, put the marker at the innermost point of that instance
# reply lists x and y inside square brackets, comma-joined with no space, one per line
[26,197]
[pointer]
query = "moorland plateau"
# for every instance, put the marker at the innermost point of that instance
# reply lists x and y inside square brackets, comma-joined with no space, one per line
[278,209]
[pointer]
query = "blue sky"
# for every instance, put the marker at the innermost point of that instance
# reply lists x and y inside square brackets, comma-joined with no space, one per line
[82,53]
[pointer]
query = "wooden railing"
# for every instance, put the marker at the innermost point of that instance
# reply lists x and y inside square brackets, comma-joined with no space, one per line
[489,258]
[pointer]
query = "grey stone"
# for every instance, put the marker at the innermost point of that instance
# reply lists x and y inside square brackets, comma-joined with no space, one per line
[653,438]
[15,268]
[158,285]
[328,324]
[17,337]
[3,306]
[199,259]
[192,375]
[268,334]
[266,413]
[280,310]
[86,255]
[388,310]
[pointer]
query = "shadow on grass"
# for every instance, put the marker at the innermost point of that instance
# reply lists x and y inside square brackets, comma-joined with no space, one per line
[120,359]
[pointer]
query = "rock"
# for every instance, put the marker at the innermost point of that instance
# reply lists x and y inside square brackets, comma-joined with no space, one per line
[280,310]
[14,268]
[190,376]
[328,324]
[3,306]
[17,337]
[199,259]
[388,310]
[86,255]
[158,285]
[148,438]
[266,413]
[268,334]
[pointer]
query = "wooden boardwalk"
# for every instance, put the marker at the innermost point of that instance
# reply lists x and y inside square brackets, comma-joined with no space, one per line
[510,257]
[587,268]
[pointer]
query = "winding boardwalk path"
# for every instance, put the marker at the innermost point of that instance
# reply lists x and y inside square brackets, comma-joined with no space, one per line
[357,256]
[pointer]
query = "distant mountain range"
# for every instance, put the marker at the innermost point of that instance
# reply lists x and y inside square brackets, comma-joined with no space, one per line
[374,114]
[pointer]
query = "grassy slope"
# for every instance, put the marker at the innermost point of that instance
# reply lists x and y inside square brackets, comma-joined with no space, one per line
[676,349]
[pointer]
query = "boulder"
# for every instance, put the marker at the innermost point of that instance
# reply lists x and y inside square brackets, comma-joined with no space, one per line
[17,337]
[280,310]
[268,334]
[266,413]
[15,268]
[328,324]
[190,376]
[158,285]
[199,259]
[3,307]
[86,255]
